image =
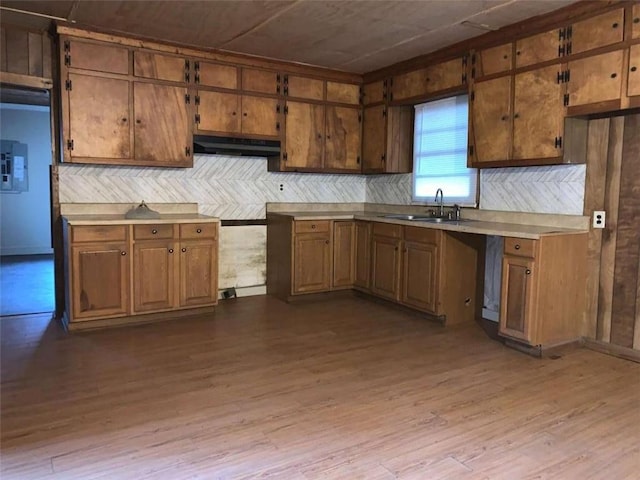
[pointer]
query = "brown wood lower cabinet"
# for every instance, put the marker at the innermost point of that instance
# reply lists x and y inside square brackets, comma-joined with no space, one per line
[543,289]
[117,272]
[309,256]
[362,274]
[385,260]
[421,268]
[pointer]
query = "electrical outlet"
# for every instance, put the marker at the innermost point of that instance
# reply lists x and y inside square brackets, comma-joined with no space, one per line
[599,217]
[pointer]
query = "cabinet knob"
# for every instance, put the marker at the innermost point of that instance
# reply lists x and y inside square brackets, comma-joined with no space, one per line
[154,231]
[233,113]
[505,56]
[244,114]
[138,121]
[171,250]
[327,242]
[527,271]
[396,249]
[633,69]
[184,249]
[518,52]
[124,120]
[614,75]
[123,253]
[615,25]
[199,230]
[313,227]
[517,247]
[636,20]
[503,118]
[517,115]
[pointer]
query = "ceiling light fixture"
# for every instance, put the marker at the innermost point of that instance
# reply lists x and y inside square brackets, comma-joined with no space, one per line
[36,14]
[479,26]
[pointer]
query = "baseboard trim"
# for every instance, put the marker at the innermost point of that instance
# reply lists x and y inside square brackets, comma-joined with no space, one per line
[611,349]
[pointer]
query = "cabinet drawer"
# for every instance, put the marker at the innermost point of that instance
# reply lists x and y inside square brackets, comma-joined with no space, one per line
[99,233]
[198,230]
[522,247]
[387,230]
[421,235]
[151,231]
[308,226]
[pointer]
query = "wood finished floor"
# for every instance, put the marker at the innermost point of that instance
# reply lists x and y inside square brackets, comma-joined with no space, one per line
[341,389]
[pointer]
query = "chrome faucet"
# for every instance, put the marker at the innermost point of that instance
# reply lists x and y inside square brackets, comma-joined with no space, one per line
[439,191]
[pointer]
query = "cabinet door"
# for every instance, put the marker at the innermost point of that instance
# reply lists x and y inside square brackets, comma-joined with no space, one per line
[311,262]
[96,57]
[633,86]
[154,276]
[443,76]
[343,93]
[419,280]
[490,135]
[260,116]
[595,79]
[304,87]
[538,48]
[160,67]
[260,81]
[304,138]
[363,254]
[538,114]
[373,139]
[516,304]
[410,84]
[163,129]
[635,21]
[398,157]
[342,143]
[385,266]
[493,60]
[343,255]
[216,75]
[198,273]
[99,125]
[598,31]
[219,112]
[374,92]
[99,280]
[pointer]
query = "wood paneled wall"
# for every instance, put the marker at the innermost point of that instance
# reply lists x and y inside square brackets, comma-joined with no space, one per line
[24,54]
[613,185]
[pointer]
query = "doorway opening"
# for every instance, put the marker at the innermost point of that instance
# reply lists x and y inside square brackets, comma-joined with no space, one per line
[26,252]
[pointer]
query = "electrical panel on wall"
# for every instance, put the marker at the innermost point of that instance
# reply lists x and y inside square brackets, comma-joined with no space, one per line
[14,164]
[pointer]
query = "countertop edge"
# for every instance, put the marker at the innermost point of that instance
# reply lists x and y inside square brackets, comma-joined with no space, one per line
[120,220]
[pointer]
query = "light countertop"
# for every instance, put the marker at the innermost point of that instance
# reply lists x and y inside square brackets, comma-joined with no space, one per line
[465,226]
[106,219]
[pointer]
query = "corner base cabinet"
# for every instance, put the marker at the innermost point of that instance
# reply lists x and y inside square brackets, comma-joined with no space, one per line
[132,273]
[543,287]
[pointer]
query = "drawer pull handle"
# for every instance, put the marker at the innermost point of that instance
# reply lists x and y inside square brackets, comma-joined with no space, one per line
[313,227]
[527,271]
[123,253]
[199,230]
[171,250]
[154,231]
[517,246]
[184,249]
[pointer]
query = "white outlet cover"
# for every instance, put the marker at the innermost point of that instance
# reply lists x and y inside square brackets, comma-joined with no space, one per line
[599,218]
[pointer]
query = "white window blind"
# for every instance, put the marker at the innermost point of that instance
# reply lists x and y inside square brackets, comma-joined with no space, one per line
[440,152]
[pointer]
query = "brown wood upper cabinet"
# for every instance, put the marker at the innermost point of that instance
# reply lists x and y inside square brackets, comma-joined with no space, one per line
[538,48]
[635,21]
[218,75]
[375,92]
[595,32]
[387,139]
[338,92]
[261,81]
[97,57]
[429,80]
[492,60]
[319,137]
[161,67]
[236,114]
[304,87]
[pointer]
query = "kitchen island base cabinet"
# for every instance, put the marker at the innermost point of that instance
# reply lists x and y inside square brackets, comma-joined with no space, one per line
[543,290]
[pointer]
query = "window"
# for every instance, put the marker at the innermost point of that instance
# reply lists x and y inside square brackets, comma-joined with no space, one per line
[440,152]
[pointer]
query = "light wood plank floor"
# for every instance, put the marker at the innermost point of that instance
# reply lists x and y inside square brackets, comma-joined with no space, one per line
[341,389]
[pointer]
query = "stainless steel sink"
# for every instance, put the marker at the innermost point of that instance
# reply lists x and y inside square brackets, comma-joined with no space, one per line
[422,218]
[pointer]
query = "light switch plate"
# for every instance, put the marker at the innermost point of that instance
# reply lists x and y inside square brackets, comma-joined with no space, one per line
[599,217]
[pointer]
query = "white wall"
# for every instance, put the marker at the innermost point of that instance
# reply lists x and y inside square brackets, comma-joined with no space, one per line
[25,218]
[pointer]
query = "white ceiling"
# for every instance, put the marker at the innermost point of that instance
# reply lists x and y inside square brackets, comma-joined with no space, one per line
[353,35]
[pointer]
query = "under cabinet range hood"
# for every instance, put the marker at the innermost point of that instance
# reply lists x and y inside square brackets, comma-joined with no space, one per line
[235,146]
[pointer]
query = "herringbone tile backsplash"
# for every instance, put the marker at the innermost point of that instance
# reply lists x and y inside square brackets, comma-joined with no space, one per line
[238,187]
